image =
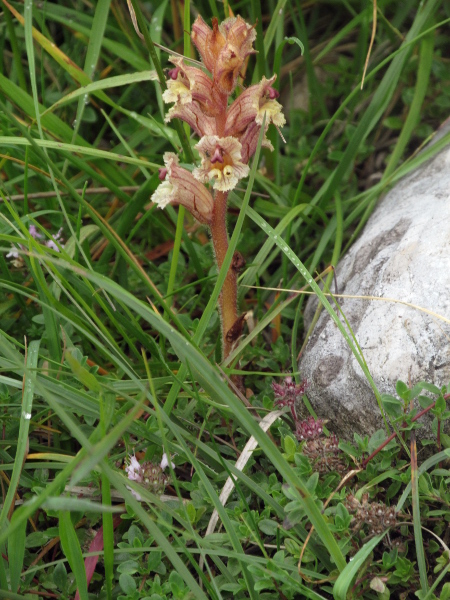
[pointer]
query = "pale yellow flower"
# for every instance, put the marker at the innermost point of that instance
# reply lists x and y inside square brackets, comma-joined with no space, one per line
[221,162]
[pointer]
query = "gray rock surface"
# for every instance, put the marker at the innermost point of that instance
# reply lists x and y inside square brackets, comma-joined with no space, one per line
[403,253]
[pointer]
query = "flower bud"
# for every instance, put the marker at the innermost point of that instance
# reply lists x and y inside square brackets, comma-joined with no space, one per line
[224,48]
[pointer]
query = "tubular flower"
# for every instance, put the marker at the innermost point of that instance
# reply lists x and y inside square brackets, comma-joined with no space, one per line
[251,106]
[224,48]
[221,162]
[249,141]
[190,83]
[180,187]
[192,114]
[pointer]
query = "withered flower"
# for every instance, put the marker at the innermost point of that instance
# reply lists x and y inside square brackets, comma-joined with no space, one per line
[192,114]
[309,429]
[324,453]
[149,474]
[376,515]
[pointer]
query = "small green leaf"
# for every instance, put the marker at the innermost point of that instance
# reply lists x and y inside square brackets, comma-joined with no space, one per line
[393,406]
[154,560]
[290,446]
[60,576]
[86,378]
[402,389]
[127,583]
[268,527]
[191,512]
[128,566]
[445,592]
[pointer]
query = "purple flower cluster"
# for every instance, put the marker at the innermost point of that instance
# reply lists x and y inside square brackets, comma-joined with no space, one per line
[33,231]
[309,429]
[323,452]
[289,393]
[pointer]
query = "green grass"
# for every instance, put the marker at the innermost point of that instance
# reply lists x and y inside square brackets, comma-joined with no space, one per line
[111,345]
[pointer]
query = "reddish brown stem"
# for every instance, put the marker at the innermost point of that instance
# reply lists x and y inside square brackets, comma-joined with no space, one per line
[392,436]
[228,296]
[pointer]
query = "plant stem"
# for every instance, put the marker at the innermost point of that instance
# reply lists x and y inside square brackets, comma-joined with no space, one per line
[392,436]
[228,295]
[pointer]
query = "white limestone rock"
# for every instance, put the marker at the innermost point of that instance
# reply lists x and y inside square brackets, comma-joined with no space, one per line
[403,253]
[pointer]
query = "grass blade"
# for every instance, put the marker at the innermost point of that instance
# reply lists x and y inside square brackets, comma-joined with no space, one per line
[418,540]
[72,550]
[22,441]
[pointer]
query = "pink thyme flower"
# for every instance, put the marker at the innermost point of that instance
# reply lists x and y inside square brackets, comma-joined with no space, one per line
[180,187]
[224,48]
[309,429]
[32,229]
[56,238]
[134,469]
[150,475]
[165,462]
[289,393]
[221,162]
[34,232]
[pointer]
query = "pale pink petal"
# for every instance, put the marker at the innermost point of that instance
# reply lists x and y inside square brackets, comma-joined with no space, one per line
[249,141]
[177,91]
[133,469]
[239,38]
[165,462]
[208,41]
[32,229]
[193,115]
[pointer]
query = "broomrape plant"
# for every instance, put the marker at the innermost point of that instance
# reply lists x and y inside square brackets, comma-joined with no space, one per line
[228,135]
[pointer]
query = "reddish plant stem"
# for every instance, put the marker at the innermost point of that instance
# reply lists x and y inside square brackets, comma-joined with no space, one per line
[219,234]
[392,436]
[228,295]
